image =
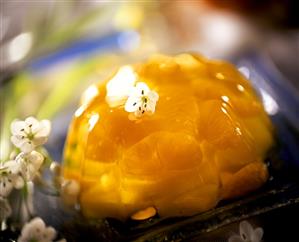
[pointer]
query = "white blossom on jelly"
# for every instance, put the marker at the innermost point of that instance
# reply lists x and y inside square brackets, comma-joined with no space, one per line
[30,164]
[5,209]
[30,133]
[141,100]
[247,233]
[37,231]
[10,177]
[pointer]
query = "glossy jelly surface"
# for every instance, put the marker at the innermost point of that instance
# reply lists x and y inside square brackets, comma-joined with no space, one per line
[205,141]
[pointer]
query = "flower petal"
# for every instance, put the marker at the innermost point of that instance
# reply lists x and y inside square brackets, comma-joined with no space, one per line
[25,233]
[29,164]
[245,230]
[36,230]
[32,123]
[44,129]
[257,235]
[235,238]
[12,165]
[132,104]
[18,127]
[16,141]
[142,88]
[18,182]
[37,141]
[151,107]
[154,96]
[51,233]
[36,159]
[30,172]
[27,146]
[5,186]
[14,178]
[38,223]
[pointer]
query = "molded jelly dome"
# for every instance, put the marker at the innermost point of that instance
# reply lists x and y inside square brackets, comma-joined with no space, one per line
[204,141]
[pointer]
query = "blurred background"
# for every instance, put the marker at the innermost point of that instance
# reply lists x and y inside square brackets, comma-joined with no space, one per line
[53,50]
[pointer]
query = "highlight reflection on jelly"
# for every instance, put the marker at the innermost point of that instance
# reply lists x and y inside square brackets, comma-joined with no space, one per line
[119,86]
[200,134]
[92,121]
[90,93]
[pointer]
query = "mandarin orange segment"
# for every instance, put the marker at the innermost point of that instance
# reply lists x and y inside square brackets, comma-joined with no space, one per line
[196,134]
[247,179]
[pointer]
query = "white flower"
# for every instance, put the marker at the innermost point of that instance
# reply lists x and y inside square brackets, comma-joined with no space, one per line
[247,234]
[141,100]
[37,231]
[5,209]
[29,164]
[10,177]
[30,133]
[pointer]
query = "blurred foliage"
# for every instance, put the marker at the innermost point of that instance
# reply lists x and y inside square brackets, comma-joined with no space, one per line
[44,96]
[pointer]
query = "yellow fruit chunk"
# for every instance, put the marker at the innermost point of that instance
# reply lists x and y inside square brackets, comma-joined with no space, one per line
[249,178]
[144,214]
[204,141]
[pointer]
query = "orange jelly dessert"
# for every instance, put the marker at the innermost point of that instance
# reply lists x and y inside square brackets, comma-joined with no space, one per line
[175,134]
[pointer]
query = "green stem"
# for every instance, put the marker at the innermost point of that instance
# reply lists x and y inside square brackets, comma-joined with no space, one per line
[25,194]
[25,191]
[18,220]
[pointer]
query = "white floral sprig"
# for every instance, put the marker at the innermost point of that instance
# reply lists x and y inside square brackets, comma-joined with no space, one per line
[141,100]
[29,164]
[247,233]
[25,162]
[37,231]
[28,134]
[21,170]
[10,177]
